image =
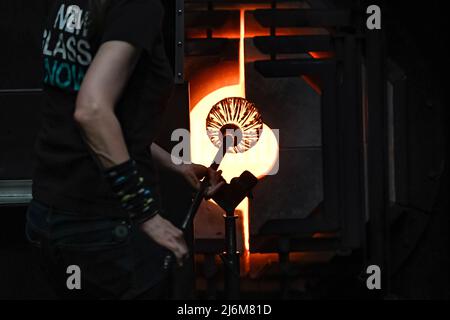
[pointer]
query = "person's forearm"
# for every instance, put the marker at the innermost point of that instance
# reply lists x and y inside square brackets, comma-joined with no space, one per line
[103,134]
[163,158]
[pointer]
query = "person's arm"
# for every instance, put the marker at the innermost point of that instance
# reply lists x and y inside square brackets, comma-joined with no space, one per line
[163,158]
[100,91]
[192,172]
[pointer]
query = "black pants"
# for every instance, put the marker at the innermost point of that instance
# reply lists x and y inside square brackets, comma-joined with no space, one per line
[114,258]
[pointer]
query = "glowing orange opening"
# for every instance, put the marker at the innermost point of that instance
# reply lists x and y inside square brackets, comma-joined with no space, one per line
[233,165]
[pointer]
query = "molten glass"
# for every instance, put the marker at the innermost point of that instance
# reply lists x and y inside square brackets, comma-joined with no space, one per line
[238,115]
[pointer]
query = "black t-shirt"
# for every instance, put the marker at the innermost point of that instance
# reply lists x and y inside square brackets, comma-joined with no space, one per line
[67,175]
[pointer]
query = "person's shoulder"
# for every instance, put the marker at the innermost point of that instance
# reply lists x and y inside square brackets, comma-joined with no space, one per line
[153,3]
[138,22]
[149,7]
[149,11]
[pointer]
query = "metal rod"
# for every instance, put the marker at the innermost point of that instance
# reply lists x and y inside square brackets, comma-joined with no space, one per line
[200,195]
[231,258]
[179,41]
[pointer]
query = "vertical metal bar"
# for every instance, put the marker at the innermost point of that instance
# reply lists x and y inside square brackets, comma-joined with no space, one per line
[209,31]
[179,42]
[360,83]
[350,129]
[377,154]
[231,258]
[330,150]
[273,29]
[400,117]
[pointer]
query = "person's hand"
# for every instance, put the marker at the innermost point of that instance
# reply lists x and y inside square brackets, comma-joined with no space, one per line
[167,235]
[193,173]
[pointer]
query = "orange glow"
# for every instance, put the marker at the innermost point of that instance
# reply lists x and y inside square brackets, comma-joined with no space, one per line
[321,55]
[311,80]
[202,83]
[202,150]
[313,83]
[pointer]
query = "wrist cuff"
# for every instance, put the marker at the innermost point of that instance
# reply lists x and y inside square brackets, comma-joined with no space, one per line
[129,187]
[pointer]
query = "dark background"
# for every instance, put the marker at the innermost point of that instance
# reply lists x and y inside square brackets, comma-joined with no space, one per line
[417,37]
